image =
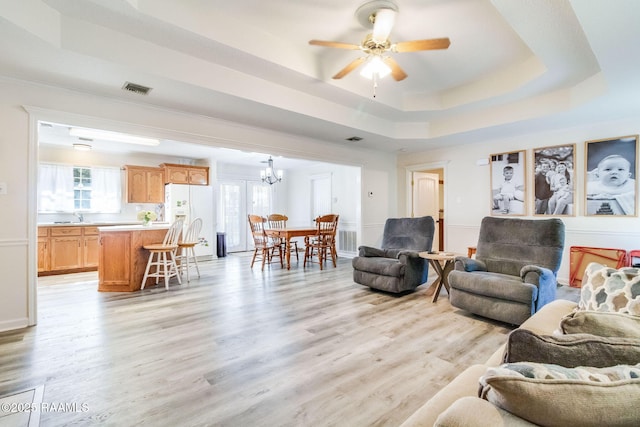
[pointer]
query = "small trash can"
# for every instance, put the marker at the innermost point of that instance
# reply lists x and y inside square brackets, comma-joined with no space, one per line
[221,244]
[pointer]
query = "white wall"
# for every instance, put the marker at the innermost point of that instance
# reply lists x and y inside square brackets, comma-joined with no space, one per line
[468,192]
[19,156]
[345,192]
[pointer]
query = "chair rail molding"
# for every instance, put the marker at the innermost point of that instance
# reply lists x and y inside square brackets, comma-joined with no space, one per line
[13,242]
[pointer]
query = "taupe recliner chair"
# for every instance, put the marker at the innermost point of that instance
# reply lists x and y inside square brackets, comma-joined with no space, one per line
[396,267]
[514,272]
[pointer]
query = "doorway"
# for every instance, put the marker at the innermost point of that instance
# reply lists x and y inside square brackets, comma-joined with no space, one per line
[426,195]
[237,199]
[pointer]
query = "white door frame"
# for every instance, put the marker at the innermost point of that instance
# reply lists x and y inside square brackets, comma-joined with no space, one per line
[409,190]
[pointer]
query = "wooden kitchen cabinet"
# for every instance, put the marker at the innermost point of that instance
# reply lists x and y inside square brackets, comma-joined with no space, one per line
[145,184]
[185,174]
[65,249]
[43,249]
[123,259]
[91,249]
[115,271]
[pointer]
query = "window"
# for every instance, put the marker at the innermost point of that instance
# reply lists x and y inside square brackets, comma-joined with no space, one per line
[67,188]
[81,188]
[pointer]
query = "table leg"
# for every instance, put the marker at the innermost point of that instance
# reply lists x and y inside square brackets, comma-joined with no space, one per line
[288,253]
[438,282]
[448,266]
[443,277]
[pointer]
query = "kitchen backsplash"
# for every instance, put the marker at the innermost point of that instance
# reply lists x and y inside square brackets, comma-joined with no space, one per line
[128,214]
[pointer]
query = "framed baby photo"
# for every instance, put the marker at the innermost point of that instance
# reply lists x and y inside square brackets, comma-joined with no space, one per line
[508,183]
[610,176]
[554,183]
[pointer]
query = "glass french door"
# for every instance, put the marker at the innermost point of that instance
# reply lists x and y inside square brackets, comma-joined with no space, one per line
[237,199]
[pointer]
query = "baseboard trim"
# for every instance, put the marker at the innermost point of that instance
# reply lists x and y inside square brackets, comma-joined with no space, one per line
[9,325]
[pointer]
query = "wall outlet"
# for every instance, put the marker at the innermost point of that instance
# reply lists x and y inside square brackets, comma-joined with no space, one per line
[3,188]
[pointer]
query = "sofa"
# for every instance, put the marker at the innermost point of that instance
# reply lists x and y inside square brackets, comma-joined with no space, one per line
[597,337]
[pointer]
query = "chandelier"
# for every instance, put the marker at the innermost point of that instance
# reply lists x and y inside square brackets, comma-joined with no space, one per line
[269,175]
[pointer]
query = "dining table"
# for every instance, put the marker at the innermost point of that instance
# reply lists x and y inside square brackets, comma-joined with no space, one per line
[286,234]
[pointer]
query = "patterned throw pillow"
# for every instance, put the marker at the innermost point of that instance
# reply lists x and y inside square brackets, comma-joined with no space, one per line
[552,395]
[610,290]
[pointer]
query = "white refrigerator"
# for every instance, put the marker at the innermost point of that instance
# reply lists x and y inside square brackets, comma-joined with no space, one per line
[188,202]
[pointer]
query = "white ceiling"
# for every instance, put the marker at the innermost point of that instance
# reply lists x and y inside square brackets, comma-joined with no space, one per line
[513,65]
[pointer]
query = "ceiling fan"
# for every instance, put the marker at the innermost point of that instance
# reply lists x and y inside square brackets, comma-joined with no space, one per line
[380,15]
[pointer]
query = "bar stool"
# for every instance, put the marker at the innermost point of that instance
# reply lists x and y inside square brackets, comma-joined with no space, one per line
[163,257]
[186,248]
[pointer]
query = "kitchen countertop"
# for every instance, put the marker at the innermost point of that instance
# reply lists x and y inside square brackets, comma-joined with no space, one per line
[135,227]
[88,224]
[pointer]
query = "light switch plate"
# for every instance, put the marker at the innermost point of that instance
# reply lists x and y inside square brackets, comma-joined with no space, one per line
[3,188]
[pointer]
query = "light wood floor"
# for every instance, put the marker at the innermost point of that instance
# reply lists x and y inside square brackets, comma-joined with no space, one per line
[241,347]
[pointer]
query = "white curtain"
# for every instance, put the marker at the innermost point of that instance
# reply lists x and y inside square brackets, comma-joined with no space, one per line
[55,188]
[106,190]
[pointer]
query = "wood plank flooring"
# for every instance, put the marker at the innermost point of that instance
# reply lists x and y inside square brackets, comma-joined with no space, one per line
[241,347]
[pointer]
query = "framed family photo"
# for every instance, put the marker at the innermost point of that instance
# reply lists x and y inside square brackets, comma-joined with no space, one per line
[554,180]
[610,176]
[508,184]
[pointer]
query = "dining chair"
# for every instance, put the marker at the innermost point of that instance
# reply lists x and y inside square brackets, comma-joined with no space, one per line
[263,246]
[162,256]
[280,221]
[186,248]
[323,243]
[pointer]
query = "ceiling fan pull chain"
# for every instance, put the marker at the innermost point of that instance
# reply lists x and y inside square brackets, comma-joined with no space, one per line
[375,83]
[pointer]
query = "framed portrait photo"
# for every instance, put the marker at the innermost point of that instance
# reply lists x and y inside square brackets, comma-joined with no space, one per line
[508,183]
[610,176]
[554,180]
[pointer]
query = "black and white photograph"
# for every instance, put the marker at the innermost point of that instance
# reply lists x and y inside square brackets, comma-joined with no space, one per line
[508,188]
[610,176]
[554,180]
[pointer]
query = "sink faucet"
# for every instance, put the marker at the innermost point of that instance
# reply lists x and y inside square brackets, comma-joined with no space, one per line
[80,216]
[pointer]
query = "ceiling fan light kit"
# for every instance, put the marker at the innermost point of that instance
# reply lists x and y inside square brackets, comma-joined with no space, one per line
[375,67]
[380,15]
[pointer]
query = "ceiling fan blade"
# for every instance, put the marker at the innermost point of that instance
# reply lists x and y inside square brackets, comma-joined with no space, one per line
[339,45]
[382,25]
[396,72]
[415,45]
[349,68]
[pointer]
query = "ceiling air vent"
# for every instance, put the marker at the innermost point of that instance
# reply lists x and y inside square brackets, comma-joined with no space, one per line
[135,88]
[354,139]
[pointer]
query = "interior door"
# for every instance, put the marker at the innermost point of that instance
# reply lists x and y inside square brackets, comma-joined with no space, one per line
[239,198]
[320,195]
[426,200]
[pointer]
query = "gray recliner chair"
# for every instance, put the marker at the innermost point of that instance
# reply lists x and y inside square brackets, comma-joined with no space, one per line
[514,273]
[396,267]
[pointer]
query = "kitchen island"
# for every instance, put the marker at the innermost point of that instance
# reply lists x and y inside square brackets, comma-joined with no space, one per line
[122,256]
